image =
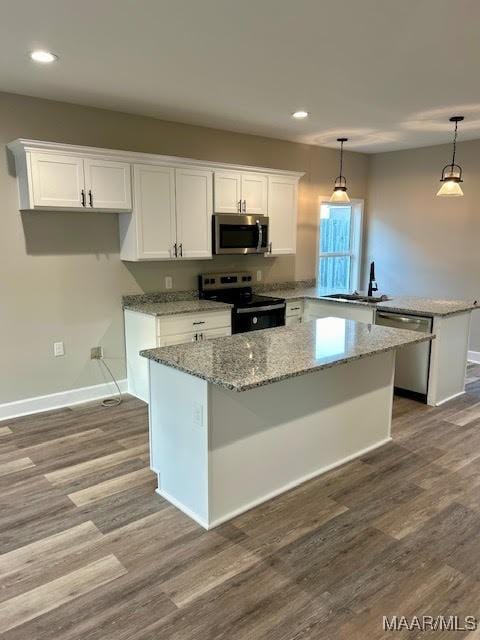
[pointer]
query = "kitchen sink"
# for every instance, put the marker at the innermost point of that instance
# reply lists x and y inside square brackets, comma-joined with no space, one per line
[357,297]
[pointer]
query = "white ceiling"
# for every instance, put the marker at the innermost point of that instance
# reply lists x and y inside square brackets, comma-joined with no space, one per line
[385,73]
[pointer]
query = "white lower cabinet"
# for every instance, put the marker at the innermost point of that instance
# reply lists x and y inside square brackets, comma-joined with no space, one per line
[143,331]
[323,308]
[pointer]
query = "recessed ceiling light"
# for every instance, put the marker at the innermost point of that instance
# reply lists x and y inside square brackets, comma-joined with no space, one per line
[299,115]
[43,56]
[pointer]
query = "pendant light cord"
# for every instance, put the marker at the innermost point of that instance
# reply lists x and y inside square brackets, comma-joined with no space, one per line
[341,158]
[455,143]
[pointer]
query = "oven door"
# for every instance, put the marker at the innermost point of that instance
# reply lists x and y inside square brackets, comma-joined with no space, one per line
[234,234]
[253,318]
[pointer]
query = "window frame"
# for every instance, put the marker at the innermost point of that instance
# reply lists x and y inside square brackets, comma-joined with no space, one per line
[356,241]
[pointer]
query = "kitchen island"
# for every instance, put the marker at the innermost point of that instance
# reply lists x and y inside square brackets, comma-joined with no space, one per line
[236,421]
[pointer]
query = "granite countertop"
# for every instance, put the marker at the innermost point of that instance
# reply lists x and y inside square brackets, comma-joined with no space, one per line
[176,306]
[248,360]
[401,304]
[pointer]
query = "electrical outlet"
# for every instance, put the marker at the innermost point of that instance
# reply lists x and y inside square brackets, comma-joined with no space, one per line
[259,276]
[96,353]
[168,282]
[198,414]
[58,349]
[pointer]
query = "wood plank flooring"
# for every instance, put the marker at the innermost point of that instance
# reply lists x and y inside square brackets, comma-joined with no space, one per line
[88,551]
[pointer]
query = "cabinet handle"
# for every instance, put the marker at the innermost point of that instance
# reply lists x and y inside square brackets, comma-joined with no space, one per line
[175,249]
[83,198]
[180,249]
[90,197]
[270,247]
[196,337]
[239,206]
[244,206]
[201,336]
[294,308]
[199,322]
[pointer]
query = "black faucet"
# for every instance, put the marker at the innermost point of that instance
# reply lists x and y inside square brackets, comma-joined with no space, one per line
[372,283]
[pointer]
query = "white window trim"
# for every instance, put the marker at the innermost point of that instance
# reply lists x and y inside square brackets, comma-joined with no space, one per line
[356,239]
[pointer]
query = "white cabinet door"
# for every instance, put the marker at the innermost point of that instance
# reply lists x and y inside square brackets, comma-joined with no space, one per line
[292,320]
[282,214]
[322,308]
[108,185]
[254,193]
[228,191]
[154,211]
[57,181]
[194,205]
[179,338]
[216,333]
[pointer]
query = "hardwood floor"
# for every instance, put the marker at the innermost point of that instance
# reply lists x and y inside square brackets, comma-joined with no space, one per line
[90,552]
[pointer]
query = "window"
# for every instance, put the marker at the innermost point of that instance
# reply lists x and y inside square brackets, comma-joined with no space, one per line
[339,247]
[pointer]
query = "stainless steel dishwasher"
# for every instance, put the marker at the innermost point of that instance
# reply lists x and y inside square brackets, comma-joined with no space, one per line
[412,363]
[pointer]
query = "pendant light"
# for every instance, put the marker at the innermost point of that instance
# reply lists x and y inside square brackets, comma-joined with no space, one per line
[452,173]
[340,187]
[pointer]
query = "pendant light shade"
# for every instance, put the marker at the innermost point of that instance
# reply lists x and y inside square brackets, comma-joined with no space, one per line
[340,187]
[452,173]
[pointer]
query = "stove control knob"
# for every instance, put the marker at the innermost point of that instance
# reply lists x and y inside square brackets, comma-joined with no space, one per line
[254,320]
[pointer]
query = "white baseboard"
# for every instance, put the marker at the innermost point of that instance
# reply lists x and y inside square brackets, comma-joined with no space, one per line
[59,400]
[473,356]
[455,395]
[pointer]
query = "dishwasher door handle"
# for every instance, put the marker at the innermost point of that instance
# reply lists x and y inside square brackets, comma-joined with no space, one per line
[405,320]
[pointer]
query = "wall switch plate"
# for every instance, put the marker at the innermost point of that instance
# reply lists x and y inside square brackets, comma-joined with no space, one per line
[198,414]
[168,282]
[58,349]
[96,353]
[259,276]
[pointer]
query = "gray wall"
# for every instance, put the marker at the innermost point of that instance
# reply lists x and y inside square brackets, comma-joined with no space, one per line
[61,277]
[424,245]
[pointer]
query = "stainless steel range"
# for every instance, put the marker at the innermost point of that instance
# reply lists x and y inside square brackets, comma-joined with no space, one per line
[250,311]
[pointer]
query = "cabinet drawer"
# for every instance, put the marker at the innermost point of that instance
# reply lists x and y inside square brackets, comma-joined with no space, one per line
[294,308]
[184,323]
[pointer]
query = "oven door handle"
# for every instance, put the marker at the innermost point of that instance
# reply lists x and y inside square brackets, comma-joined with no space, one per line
[269,307]
[260,236]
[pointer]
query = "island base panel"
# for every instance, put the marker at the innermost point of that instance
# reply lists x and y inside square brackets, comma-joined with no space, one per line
[219,453]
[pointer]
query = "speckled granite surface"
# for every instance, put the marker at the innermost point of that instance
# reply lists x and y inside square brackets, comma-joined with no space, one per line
[159,296]
[402,304]
[427,306]
[176,307]
[261,287]
[248,360]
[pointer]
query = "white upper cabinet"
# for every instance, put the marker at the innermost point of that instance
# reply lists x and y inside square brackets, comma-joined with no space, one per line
[57,182]
[107,185]
[165,204]
[254,193]
[150,232]
[240,192]
[228,192]
[194,205]
[282,214]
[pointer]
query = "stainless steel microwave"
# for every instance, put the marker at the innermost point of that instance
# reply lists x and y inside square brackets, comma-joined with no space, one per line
[236,234]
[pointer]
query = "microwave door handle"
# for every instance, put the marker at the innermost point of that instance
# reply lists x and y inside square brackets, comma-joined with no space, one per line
[260,236]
